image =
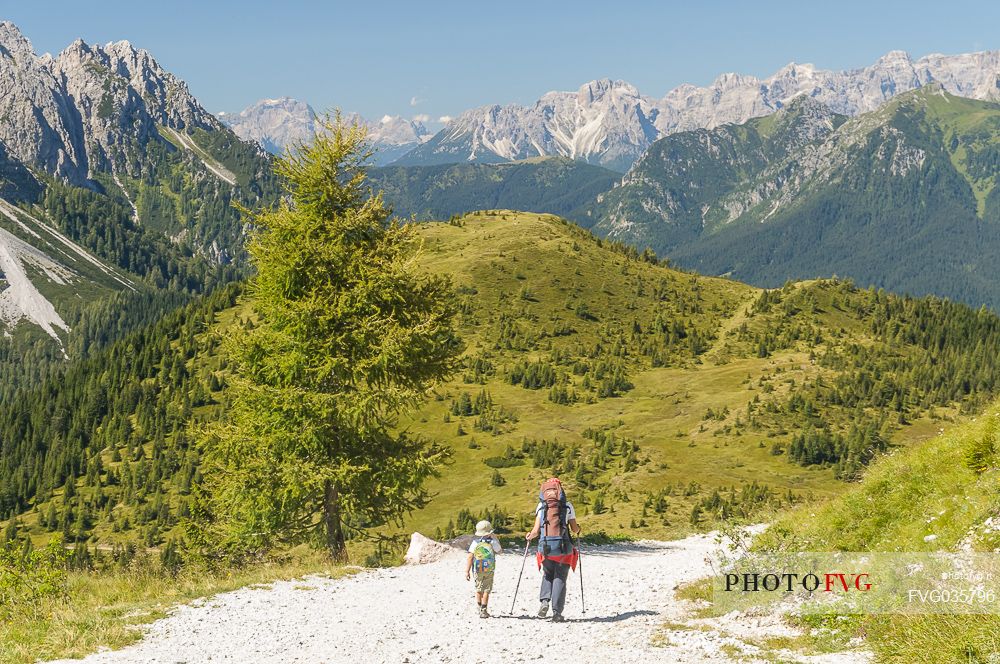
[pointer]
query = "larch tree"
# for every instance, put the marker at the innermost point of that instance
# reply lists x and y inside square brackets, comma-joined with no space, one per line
[346,335]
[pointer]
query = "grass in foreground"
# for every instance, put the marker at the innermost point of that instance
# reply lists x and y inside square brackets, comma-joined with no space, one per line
[108,609]
[933,496]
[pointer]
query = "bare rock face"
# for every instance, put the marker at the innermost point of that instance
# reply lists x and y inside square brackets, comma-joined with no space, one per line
[37,127]
[90,109]
[425,550]
[462,542]
[274,123]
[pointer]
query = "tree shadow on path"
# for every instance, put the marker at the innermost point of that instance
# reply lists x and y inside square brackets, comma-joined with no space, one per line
[618,617]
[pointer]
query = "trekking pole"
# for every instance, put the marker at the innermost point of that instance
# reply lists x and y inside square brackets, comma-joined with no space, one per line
[518,586]
[580,563]
[582,601]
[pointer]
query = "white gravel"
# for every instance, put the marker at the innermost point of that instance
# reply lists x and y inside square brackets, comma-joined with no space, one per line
[427,613]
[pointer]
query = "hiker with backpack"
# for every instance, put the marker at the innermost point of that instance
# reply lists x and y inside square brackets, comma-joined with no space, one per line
[483,560]
[554,518]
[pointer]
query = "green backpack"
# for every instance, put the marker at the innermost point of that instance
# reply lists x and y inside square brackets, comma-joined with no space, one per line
[484,559]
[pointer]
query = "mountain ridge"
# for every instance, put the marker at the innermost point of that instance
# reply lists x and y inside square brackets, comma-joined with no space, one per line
[904,197]
[611,123]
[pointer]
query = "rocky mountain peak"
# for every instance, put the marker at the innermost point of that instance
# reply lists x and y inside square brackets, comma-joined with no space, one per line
[284,104]
[395,130]
[77,47]
[804,119]
[732,80]
[804,105]
[599,89]
[894,57]
[86,109]
[796,70]
[13,42]
[281,122]
[125,70]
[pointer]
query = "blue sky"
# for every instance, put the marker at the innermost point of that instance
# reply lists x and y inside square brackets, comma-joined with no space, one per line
[440,58]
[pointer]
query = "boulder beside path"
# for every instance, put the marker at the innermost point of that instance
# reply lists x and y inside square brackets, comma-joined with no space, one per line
[425,550]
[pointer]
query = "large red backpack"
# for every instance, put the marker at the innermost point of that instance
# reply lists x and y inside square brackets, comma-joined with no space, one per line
[554,517]
[555,542]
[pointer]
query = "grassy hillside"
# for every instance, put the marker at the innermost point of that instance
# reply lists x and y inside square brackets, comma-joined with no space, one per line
[752,380]
[943,494]
[666,400]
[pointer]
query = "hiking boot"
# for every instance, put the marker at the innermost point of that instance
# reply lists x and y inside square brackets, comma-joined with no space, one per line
[558,617]
[483,613]
[543,610]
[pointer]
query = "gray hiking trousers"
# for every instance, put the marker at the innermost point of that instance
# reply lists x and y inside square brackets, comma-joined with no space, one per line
[554,585]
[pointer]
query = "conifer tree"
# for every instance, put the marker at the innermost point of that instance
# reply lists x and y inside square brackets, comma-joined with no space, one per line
[347,336]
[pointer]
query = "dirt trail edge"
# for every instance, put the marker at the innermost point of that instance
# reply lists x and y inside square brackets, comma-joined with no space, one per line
[427,613]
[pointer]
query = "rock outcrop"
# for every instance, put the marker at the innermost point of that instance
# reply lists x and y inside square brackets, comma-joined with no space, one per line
[425,550]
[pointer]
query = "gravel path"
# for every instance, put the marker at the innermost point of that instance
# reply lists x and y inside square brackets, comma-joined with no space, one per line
[427,613]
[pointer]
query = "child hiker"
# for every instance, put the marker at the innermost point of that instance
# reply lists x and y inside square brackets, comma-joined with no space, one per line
[483,559]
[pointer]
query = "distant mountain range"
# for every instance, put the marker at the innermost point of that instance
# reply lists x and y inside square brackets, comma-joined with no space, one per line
[904,197]
[280,123]
[610,123]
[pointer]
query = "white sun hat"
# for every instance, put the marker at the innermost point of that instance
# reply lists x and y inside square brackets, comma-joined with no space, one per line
[484,528]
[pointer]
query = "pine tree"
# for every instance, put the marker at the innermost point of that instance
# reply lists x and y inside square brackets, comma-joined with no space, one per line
[696,515]
[348,336]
